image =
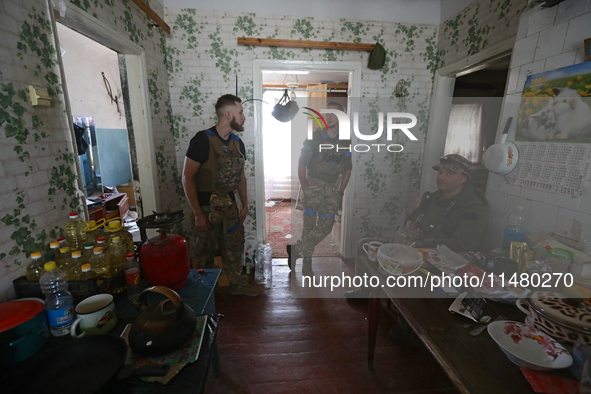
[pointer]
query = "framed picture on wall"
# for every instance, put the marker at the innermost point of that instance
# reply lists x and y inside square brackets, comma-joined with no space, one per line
[587,50]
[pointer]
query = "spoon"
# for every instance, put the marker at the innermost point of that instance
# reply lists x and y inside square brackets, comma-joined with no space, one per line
[483,320]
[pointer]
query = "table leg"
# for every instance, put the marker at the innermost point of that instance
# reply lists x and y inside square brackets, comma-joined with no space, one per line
[215,359]
[372,320]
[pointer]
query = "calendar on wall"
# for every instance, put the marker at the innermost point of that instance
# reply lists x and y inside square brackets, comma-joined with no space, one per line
[552,167]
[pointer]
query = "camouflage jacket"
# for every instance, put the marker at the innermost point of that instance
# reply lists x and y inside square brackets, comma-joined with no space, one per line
[457,222]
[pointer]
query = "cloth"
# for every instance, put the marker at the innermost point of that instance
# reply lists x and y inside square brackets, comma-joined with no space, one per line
[322,200]
[457,222]
[199,152]
[226,231]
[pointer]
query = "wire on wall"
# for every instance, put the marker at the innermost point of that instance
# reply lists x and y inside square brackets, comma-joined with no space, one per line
[114,99]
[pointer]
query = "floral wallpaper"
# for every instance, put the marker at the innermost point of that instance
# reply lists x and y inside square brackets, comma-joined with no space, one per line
[477,27]
[37,162]
[204,59]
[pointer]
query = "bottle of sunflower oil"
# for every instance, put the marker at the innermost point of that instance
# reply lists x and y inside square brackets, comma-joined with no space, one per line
[99,262]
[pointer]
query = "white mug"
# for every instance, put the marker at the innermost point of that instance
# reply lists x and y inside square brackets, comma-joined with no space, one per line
[371,248]
[96,315]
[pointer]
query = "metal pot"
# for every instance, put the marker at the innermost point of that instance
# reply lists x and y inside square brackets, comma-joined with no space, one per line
[568,320]
[162,327]
[23,330]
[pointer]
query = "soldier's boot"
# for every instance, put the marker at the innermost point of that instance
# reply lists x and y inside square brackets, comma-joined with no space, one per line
[307,267]
[292,255]
[289,256]
[247,290]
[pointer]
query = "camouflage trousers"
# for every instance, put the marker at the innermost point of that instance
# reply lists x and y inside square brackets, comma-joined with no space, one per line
[322,202]
[225,230]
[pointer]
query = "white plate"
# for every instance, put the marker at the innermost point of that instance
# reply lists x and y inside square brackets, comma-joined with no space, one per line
[527,347]
[387,268]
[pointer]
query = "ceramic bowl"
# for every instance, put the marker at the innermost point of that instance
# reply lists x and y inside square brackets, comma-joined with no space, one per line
[400,255]
[528,347]
[555,315]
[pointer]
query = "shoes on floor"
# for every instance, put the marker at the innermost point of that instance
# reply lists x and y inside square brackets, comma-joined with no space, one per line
[247,290]
[362,292]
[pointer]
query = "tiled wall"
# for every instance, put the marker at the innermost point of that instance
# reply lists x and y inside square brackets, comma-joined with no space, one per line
[546,39]
[204,59]
[37,173]
[478,26]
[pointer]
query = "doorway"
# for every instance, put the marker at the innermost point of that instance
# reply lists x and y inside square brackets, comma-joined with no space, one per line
[316,90]
[133,74]
[96,100]
[352,70]
[443,99]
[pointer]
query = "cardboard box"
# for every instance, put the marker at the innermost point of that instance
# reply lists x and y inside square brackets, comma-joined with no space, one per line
[130,194]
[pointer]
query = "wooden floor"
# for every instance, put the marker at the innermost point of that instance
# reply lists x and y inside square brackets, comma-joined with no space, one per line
[279,344]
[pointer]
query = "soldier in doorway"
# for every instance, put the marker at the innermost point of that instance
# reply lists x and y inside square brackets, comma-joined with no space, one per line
[319,172]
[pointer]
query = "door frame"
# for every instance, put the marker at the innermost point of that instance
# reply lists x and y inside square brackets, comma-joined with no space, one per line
[139,102]
[441,100]
[354,68]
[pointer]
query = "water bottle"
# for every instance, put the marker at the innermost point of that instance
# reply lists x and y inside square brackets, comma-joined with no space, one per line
[58,300]
[132,277]
[515,229]
[268,267]
[259,268]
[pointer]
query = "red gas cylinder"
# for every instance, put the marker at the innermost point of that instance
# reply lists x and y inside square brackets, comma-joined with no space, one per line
[165,261]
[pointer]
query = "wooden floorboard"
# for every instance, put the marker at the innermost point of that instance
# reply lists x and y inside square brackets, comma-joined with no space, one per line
[277,343]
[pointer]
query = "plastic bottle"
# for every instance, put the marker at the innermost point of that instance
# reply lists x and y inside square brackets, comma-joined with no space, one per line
[116,255]
[54,248]
[87,273]
[74,268]
[63,259]
[268,268]
[93,230]
[116,230]
[259,267]
[88,246]
[132,277]
[35,268]
[101,242]
[76,232]
[515,228]
[100,264]
[58,300]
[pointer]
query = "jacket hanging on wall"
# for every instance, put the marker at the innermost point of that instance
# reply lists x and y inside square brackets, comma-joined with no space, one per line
[81,144]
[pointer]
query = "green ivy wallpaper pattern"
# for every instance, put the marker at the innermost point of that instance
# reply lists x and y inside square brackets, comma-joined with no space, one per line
[478,26]
[203,60]
[47,164]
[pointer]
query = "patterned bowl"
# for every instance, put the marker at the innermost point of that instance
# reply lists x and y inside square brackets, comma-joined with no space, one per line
[565,319]
[527,347]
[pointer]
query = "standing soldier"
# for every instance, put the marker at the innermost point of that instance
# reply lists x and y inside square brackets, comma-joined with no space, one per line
[319,172]
[213,170]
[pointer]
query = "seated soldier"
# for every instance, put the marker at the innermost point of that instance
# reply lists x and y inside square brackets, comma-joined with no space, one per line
[454,215]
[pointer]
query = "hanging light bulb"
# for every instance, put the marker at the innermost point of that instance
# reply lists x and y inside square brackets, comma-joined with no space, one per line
[291,81]
[292,95]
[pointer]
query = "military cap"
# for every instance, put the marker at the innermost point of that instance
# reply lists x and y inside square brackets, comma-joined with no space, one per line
[454,162]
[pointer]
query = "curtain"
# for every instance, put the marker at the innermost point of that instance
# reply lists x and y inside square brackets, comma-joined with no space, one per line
[464,132]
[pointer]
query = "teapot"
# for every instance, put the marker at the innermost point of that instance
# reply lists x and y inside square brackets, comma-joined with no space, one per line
[161,327]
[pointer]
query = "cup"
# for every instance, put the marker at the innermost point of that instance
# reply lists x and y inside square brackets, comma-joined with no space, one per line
[371,248]
[96,316]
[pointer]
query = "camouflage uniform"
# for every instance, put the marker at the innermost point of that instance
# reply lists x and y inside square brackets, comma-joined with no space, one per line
[322,199]
[221,174]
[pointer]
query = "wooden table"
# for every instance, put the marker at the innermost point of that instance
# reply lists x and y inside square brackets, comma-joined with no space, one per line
[474,364]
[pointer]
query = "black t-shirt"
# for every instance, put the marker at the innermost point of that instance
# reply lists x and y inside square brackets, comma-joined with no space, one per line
[199,152]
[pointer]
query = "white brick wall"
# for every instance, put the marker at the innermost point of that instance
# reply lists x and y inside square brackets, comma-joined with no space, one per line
[546,39]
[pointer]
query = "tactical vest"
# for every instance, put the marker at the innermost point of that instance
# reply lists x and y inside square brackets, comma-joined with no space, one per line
[328,165]
[222,172]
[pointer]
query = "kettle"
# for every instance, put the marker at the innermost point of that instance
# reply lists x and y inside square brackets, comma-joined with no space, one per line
[161,327]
